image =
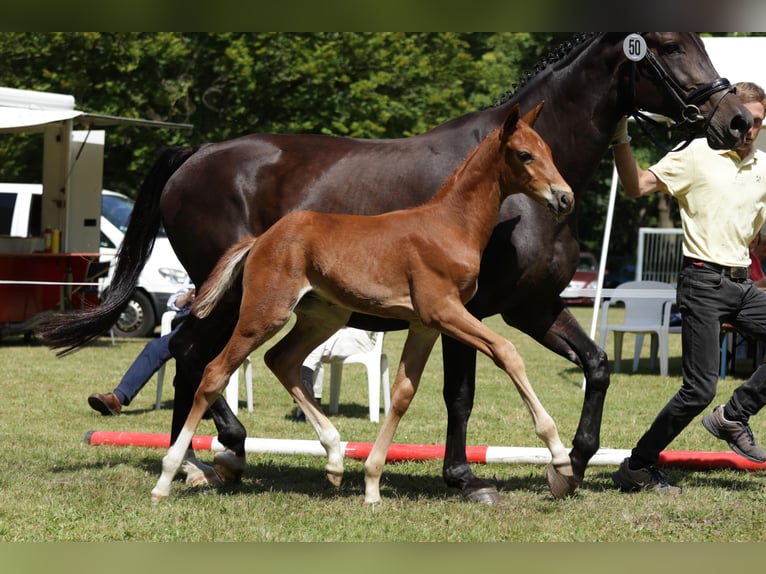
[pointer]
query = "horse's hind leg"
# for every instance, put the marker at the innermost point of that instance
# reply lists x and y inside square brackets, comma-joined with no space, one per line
[415,354]
[216,376]
[197,343]
[285,359]
[248,335]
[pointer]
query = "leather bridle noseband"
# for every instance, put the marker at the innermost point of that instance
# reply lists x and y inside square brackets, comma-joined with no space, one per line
[688,103]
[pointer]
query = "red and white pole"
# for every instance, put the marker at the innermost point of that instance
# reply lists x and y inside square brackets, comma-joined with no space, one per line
[697,460]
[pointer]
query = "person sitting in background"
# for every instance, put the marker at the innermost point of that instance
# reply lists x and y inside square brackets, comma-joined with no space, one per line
[149,360]
[343,343]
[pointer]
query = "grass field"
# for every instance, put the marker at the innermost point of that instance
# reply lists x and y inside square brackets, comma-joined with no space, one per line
[54,487]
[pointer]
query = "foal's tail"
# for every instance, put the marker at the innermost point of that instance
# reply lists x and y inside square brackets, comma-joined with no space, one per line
[222,276]
[71,330]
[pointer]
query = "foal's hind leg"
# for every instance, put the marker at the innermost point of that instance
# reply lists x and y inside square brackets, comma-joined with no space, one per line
[454,320]
[285,359]
[415,354]
[214,381]
[213,334]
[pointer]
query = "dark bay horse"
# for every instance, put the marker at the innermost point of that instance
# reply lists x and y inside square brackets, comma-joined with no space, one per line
[324,266]
[213,195]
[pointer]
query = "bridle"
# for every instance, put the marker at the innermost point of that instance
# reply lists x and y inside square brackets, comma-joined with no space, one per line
[688,103]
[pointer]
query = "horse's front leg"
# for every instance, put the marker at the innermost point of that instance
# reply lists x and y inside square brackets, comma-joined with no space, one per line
[566,337]
[459,388]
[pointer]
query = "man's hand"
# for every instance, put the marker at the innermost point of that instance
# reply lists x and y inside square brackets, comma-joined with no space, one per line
[621,133]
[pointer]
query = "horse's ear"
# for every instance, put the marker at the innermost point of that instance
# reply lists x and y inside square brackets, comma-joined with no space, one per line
[511,120]
[531,115]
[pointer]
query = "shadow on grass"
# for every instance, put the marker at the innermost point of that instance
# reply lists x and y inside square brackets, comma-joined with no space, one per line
[398,482]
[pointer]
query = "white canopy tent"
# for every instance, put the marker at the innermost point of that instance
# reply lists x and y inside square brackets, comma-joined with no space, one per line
[72,163]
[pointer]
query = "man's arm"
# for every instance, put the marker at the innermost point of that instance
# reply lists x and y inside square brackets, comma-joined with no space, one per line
[637,182]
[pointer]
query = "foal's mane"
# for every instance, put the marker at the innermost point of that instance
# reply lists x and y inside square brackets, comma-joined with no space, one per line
[556,55]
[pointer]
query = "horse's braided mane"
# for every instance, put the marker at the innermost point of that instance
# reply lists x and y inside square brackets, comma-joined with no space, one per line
[558,53]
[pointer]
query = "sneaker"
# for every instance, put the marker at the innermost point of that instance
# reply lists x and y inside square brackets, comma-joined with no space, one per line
[649,478]
[738,435]
[107,404]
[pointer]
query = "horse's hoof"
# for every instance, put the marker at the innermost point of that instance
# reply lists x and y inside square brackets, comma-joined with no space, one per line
[560,485]
[485,495]
[335,478]
[229,467]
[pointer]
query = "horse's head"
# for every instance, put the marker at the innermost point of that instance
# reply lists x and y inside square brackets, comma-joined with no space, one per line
[530,163]
[671,74]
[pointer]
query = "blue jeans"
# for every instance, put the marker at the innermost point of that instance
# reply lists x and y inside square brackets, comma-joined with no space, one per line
[707,298]
[149,360]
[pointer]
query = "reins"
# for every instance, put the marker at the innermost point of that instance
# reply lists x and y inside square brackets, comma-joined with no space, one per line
[636,50]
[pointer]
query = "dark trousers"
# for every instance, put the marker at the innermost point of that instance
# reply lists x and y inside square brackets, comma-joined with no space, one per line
[149,360]
[707,298]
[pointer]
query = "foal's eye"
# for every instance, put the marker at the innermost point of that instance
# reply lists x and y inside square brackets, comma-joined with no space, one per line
[525,157]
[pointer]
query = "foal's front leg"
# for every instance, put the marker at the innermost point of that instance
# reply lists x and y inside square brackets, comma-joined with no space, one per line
[462,326]
[415,354]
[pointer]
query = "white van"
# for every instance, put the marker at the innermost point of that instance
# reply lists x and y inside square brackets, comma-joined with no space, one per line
[162,276]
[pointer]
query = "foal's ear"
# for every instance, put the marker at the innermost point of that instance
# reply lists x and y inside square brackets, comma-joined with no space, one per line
[531,115]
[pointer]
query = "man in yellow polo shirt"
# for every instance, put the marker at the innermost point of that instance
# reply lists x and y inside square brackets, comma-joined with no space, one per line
[722,199]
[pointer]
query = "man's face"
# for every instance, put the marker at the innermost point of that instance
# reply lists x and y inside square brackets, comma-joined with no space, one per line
[757,111]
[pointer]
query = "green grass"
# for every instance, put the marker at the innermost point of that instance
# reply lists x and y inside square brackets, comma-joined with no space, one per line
[54,487]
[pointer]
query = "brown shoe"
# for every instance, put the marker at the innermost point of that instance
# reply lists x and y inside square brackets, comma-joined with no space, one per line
[107,404]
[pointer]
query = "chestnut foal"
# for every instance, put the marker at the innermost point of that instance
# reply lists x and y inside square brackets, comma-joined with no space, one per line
[419,264]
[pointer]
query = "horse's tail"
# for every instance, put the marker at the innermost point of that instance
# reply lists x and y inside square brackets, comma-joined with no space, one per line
[222,276]
[73,329]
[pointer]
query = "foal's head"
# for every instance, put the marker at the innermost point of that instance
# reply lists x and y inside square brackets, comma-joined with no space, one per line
[529,166]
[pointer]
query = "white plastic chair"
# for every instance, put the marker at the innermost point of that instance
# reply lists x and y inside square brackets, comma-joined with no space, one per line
[642,315]
[232,389]
[376,363]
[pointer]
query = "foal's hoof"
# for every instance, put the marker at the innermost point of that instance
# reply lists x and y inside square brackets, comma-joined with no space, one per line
[335,478]
[560,485]
[158,497]
[199,474]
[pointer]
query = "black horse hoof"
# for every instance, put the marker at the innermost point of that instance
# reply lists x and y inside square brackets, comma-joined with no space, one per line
[484,495]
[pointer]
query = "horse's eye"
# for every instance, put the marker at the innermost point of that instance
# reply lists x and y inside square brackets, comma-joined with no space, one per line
[671,48]
[525,157]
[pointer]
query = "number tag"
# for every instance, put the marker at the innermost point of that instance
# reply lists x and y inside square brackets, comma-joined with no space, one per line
[634,47]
